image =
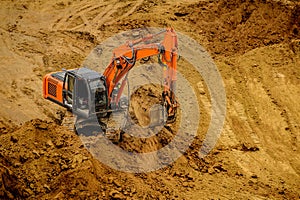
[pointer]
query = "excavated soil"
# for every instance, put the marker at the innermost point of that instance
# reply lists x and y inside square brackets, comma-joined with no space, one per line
[256,47]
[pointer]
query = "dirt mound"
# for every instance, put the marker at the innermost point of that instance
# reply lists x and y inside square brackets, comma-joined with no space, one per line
[43,157]
[43,160]
[225,27]
[240,25]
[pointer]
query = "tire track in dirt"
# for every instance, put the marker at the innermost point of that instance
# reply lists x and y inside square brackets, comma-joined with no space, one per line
[74,13]
[286,116]
[91,17]
[98,20]
[140,2]
[242,112]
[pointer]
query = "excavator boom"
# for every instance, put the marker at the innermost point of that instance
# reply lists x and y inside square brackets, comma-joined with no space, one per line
[125,57]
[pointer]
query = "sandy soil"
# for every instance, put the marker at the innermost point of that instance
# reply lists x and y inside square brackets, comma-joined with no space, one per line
[256,46]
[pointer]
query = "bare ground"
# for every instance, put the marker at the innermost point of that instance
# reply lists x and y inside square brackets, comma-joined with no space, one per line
[256,47]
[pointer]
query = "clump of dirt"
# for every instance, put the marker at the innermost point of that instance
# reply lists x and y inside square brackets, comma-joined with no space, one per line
[6,126]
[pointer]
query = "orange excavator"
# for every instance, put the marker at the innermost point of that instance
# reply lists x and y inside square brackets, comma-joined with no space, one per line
[88,94]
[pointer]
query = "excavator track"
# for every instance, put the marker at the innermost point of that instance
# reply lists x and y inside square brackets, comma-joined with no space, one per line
[69,121]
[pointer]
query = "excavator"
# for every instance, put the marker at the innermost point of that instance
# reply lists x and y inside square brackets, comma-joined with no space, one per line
[87,94]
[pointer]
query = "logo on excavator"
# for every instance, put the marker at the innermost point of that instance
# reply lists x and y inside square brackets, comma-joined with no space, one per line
[194,62]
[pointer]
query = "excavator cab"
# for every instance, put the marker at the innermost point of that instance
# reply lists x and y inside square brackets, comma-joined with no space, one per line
[82,91]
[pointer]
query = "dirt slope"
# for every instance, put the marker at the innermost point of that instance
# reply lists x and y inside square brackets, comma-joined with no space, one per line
[256,47]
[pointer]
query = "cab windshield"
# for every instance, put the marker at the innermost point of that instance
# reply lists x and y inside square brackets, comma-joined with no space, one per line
[99,93]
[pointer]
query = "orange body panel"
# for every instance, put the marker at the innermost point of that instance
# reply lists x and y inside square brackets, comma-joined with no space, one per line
[53,88]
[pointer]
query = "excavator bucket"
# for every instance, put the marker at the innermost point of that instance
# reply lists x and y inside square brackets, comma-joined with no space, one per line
[158,116]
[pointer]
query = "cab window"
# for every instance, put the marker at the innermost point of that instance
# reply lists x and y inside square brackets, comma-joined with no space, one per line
[69,87]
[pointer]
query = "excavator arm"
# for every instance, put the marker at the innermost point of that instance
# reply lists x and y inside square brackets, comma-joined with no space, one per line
[125,57]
